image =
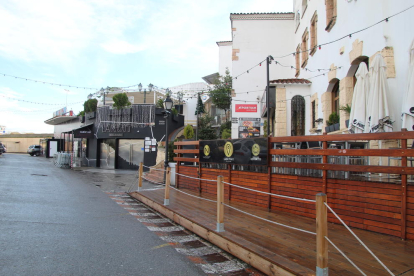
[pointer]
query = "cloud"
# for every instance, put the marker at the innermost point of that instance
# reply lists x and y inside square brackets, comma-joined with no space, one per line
[122,47]
[57,32]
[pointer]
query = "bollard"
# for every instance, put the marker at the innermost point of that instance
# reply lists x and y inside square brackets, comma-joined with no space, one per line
[321,232]
[220,206]
[141,169]
[167,187]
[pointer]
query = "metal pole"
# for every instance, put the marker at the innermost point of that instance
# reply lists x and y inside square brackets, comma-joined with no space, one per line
[267,96]
[166,145]
[145,95]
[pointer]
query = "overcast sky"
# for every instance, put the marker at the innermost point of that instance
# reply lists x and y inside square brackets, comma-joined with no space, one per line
[100,43]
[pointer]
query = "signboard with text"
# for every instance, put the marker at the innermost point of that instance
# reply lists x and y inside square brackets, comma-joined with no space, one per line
[235,151]
[246,108]
[249,127]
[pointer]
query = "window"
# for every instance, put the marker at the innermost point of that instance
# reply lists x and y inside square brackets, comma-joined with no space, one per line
[330,14]
[298,116]
[335,98]
[304,6]
[314,114]
[297,60]
[304,48]
[313,33]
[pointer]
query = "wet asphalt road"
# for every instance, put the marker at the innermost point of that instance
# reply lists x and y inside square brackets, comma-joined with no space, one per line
[59,222]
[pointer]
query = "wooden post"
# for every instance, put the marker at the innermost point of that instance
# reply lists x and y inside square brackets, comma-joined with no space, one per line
[220,206]
[141,169]
[403,190]
[324,172]
[269,189]
[199,178]
[177,168]
[321,232]
[167,187]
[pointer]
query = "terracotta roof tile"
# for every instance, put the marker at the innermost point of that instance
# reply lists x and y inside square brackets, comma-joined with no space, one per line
[262,13]
[291,81]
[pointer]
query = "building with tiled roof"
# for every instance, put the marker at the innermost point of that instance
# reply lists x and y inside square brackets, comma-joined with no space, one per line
[317,49]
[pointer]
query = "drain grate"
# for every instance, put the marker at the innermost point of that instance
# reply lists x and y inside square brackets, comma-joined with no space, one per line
[35,174]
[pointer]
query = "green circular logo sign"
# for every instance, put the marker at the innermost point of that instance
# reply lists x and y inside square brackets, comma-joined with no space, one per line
[255,149]
[228,149]
[206,150]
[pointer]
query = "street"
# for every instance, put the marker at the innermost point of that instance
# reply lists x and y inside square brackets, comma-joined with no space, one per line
[58,222]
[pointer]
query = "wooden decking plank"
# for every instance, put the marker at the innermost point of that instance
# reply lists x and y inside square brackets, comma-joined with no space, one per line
[292,249]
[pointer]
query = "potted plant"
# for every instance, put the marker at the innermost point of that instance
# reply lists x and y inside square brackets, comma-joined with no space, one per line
[174,114]
[333,122]
[347,109]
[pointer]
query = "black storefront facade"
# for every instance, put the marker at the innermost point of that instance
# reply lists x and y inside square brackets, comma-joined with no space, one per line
[112,142]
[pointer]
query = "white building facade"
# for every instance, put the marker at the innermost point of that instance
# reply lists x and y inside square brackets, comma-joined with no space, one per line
[316,49]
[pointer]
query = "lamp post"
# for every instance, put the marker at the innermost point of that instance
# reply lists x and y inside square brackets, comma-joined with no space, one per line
[168,103]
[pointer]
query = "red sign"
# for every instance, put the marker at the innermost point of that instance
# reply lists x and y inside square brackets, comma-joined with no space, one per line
[246,107]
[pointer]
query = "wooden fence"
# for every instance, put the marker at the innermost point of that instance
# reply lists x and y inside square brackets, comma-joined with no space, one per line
[363,194]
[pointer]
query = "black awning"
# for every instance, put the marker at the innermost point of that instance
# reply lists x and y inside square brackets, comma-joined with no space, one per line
[83,132]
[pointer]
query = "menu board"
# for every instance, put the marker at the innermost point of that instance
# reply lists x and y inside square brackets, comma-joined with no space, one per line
[249,127]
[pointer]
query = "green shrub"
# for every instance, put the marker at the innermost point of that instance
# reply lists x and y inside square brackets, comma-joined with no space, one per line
[333,119]
[160,103]
[188,132]
[174,111]
[121,100]
[226,134]
[90,105]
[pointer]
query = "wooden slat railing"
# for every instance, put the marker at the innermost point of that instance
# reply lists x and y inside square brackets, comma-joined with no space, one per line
[377,204]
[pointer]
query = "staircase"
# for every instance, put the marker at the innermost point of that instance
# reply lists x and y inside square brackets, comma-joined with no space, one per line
[155,176]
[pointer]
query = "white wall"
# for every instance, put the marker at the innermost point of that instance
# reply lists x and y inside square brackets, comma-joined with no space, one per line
[225,52]
[353,16]
[257,39]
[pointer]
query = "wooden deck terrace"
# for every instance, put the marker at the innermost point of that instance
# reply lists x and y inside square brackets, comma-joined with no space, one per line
[277,250]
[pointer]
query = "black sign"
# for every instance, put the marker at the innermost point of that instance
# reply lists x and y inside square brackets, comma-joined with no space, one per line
[83,133]
[251,151]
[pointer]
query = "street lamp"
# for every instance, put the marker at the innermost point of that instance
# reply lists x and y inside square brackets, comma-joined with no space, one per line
[168,103]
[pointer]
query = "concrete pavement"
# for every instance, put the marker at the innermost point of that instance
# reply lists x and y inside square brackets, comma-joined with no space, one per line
[58,222]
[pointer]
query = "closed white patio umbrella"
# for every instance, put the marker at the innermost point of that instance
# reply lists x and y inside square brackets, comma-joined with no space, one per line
[378,115]
[359,100]
[407,115]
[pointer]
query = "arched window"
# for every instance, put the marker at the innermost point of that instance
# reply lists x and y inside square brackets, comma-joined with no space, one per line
[298,116]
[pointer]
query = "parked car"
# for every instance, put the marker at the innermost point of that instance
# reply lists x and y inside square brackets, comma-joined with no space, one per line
[2,149]
[34,150]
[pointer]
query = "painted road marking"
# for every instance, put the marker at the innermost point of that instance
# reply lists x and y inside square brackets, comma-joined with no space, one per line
[211,259]
[165,229]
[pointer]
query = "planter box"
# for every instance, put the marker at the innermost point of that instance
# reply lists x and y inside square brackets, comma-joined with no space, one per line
[175,118]
[336,127]
[90,115]
[347,123]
